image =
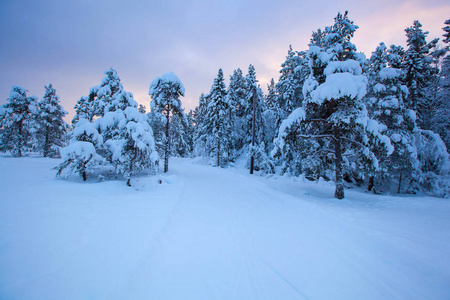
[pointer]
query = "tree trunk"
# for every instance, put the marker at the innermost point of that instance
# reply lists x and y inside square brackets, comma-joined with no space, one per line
[218,153]
[129,181]
[371,182]
[339,192]
[252,159]
[399,183]
[21,139]
[167,150]
[84,175]
[46,143]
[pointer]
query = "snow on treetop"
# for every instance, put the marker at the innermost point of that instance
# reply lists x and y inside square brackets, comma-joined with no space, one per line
[340,85]
[349,66]
[167,78]
[389,73]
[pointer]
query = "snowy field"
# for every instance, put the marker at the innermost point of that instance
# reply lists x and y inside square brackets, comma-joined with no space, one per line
[209,233]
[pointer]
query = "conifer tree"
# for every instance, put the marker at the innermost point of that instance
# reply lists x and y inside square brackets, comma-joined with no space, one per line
[18,122]
[237,99]
[132,148]
[52,127]
[217,124]
[333,120]
[385,102]
[165,92]
[441,120]
[418,69]
[200,134]
[81,155]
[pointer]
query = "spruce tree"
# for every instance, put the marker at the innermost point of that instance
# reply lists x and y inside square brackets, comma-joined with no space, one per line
[237,99]
[217,124]
[418,70]
[52,127]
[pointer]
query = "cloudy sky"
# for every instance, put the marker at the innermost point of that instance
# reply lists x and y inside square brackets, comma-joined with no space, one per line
[71,43]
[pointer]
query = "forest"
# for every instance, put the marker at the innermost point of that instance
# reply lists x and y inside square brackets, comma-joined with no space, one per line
[380,122]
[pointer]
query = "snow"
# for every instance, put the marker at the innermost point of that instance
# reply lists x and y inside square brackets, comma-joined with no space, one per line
[212,233]
[296,116]
[389,73]
[167,78]
[338,86]
[349,66]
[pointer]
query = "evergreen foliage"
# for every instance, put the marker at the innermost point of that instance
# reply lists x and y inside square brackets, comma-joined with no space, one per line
[52,127]
[165,92]
[18,122]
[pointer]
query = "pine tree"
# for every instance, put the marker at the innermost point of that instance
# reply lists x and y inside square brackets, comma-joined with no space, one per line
[254,108]
[165,92]
[17,122]
[441,120]
[333,120]
[81,155]
[216,123]
[255,134]
[237,99]
[418,70]
[385,102]
[200,134]
[132,148]
[52,127]
[271,116]
[289,87]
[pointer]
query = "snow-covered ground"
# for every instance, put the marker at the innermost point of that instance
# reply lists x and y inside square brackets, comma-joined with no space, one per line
[210,233]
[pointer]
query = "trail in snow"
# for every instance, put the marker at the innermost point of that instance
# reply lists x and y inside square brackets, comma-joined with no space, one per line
[210,233]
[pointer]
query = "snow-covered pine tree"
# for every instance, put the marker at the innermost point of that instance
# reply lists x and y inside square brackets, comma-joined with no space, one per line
[180,135]
[318,38]
[254,108]
[81,154]
[216,125]
[132,148]
[294,71]
[271,114]
[101,98]
[441,120]
[52,127]
[255,135]
[18,122]
[237,99]
[200,134]
[83,110]
[165,92]
[109,95]
[385,103]
[333,119]
[418,69]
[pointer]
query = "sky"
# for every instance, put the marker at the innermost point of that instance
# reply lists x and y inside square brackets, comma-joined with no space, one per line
[72,43]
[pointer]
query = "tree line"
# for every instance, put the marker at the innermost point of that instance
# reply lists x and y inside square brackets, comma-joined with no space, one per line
[334,114]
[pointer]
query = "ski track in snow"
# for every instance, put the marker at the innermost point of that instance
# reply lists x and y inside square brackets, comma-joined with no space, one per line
[211,233]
